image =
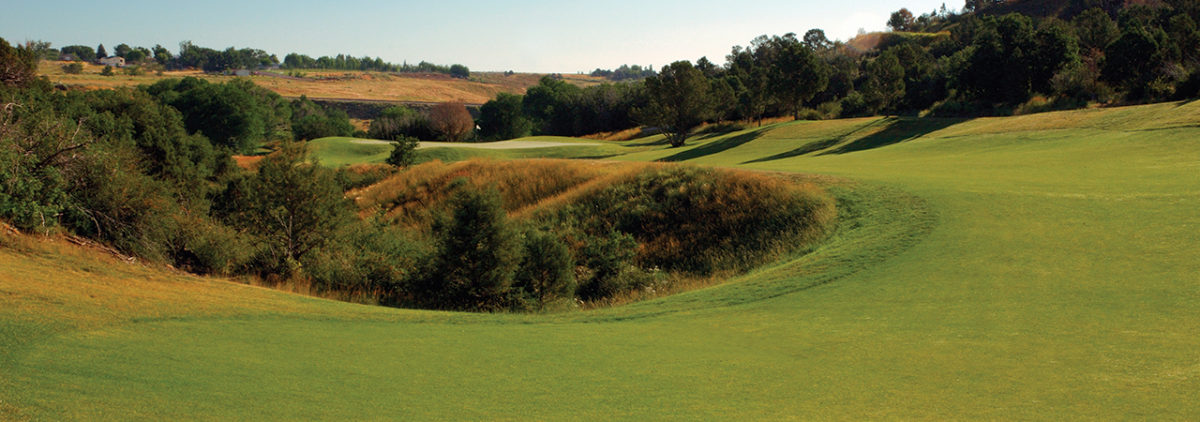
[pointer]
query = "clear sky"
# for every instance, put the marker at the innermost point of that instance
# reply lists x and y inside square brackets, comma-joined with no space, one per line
[520,35]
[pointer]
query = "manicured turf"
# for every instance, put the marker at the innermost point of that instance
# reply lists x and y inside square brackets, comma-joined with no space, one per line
[337,151]
[1035,267]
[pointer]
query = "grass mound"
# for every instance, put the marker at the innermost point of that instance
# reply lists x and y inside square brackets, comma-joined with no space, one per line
[702,220]
[410,197]
[628,226]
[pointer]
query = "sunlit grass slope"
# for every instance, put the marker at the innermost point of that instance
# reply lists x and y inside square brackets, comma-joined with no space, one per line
[1033,267]
[339,151]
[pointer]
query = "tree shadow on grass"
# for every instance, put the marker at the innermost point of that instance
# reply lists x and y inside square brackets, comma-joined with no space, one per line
[898,130]
[815,146]
[713,147]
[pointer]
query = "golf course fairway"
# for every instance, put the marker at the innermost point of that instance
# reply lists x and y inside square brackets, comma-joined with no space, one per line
[1044,266]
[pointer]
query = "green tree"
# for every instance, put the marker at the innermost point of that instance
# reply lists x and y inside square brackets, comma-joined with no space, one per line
[162,55]
[885,82]
[238,114]
[122,50]
[678,101]
[18,65]
[752,68]
[312,121]
[107,71]
[502,118]
[816,40]
[1095,29]
[549,106]
[292,206]
[1056,47]
[404,151]
[80,52]
[1133,60]
[477,254]
[1010,60]
[398,121]
[901,21]
[101,52]
[798,73]
[547,271]
[460,71]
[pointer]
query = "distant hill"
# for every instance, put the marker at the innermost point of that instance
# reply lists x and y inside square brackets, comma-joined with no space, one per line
[341,85]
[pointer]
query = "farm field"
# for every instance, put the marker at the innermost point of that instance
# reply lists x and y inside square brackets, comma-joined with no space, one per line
[341,85]
[1033,267]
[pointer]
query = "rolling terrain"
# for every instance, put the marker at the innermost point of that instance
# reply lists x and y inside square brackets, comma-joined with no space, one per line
[1032,267]
[334,85]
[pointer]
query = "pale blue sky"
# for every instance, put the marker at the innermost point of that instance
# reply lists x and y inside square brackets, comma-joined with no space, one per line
[521,35]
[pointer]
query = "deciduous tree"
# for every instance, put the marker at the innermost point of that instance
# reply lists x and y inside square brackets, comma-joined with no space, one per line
[678,101]
[452,121]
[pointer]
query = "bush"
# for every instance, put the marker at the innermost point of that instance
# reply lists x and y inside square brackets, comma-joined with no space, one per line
[107,71]
[396,122]
[404,151]
[73,68]
[855,104]
[312,121]
[609,269]
[34,172]
[370,261]
[206,247]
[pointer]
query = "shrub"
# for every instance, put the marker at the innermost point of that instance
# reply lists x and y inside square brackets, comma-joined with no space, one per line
[313,121]
[107,71]
[73,68]
[399,121]
[608,262]
[204,246]
[404,151]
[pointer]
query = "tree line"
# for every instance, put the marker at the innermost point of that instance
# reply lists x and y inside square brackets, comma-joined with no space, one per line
[366,63]
[213,60]
[974,64]
[625,72]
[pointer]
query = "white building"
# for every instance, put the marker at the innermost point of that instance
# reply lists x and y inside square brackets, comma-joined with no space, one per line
[113,61]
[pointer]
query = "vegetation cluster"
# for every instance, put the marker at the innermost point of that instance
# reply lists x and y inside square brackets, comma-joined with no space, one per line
[598,232]
[991,59]
[150,171]
[231,59]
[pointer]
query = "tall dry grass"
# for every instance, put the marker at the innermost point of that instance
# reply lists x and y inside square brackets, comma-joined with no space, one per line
[409,196]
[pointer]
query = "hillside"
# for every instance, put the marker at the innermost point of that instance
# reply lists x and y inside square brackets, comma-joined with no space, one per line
[341,85]
[1032,267]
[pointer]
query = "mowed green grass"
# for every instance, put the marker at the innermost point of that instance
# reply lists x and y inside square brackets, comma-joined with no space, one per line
[1034,267]
[340,151]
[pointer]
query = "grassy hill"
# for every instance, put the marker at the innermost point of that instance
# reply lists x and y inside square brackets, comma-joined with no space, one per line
[341,85]
[1033,267]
